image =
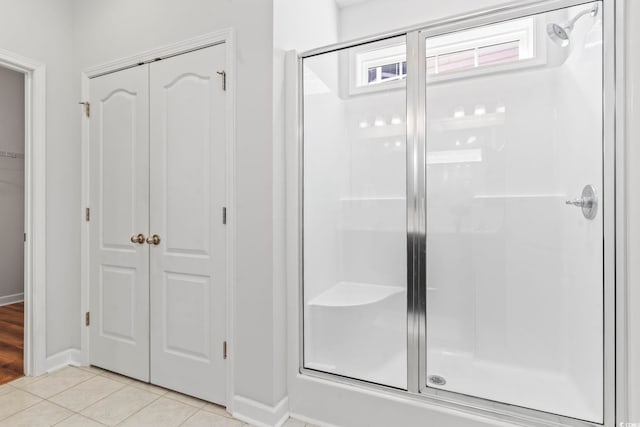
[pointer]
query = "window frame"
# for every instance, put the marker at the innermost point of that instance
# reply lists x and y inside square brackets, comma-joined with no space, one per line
[528,30]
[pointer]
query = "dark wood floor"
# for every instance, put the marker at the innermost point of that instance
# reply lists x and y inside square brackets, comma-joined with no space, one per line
[11,341]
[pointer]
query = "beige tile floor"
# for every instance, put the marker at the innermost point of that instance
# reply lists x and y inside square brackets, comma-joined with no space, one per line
[88,397]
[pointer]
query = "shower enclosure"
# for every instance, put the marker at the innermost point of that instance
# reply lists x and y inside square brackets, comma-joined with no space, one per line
[457,231]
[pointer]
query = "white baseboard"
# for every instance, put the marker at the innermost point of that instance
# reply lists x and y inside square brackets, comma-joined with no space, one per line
[64,358]
[259,414]
[312,421]
[11,299]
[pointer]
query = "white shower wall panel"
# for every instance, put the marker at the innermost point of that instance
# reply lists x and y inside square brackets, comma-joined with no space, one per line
[480,278]
[374,204]
[514,274]
[324,204]
[578,76]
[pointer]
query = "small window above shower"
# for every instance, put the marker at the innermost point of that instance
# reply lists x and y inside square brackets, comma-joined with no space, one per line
[505,46]
[480,50]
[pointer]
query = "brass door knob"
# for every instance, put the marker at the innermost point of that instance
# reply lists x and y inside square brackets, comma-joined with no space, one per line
[138,239]
[153,240]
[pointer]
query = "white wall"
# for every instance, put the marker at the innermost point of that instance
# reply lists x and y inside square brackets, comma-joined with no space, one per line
[42,30]
[11,186]
[301,26]
[304,25]
[106,31]
[379,16]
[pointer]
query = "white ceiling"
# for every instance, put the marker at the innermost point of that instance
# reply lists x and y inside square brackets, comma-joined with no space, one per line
[345,3]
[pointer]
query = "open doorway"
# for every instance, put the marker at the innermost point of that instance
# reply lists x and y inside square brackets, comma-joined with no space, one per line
[12,223]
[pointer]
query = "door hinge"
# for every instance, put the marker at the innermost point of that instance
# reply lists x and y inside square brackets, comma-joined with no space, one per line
[87,318]
[223,74]
[224,215]
[87,214]
[224,350]
[87,108]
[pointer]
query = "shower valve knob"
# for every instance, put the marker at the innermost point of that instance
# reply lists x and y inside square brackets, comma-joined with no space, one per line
[588,202]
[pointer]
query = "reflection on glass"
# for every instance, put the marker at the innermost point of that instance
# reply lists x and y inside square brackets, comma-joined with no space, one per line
[355,320]
[514,275]
[501,43]
[499,53]
[456,61]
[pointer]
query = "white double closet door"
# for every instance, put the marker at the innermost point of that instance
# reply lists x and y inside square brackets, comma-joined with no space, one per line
[157,150]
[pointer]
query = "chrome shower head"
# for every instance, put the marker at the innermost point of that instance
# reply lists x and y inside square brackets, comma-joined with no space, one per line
[558,34]
[561,34]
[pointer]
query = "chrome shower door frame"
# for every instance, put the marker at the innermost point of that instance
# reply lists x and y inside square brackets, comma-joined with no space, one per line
[612,208]
[608,211]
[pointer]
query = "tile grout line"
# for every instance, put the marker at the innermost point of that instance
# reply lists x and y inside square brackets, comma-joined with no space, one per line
[41,399]
[168,396]
[73,414]
[132,384]
[197,406]
[189,417]
[66,389]
[25,408]
[60,392]
[65,418]
[125,385]
[47,399]
[122,386]
[157,398]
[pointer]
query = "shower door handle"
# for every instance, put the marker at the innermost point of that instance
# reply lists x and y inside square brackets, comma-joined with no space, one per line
[588,202]
[575,202]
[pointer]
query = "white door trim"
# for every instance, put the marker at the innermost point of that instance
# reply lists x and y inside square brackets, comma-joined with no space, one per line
[226,36]
[35,352]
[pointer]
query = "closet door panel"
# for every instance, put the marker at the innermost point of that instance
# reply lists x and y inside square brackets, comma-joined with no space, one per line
[188,273]
[119,194]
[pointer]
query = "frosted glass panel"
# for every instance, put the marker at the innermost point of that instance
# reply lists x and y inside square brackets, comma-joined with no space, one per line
[514,274]
[355,292]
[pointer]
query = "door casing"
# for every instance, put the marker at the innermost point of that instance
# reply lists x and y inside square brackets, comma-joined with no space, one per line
[35,218]
[226,36]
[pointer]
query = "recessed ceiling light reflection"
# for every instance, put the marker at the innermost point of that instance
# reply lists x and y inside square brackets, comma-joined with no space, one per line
[379,123]
[501,108]
[479,110]
[471,140]
[458,113]
[398,143]
[396,120]
[364,125]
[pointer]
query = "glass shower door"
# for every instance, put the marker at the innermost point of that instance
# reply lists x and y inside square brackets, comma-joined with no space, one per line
[514,219]
[354,213]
